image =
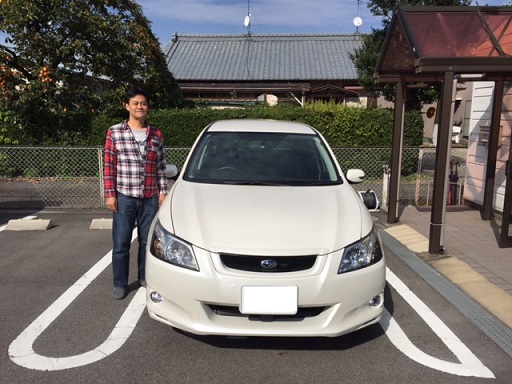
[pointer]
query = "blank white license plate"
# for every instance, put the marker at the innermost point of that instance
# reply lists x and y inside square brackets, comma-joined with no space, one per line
[269,300]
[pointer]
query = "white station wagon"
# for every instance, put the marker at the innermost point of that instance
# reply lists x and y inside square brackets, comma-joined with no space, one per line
[262,235]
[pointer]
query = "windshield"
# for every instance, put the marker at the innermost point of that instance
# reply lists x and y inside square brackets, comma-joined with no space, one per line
[261,158]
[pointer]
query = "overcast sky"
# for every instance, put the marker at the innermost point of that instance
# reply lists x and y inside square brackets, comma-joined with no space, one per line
[267,16]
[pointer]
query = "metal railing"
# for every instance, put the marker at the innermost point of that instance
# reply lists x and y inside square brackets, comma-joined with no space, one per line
[56,177]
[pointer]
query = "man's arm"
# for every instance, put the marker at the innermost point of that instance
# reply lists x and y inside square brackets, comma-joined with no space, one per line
[110,173]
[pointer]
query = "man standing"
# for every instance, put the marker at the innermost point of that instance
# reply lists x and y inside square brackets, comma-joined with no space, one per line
[135,185]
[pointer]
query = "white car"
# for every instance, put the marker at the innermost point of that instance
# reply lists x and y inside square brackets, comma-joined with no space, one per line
[262,235]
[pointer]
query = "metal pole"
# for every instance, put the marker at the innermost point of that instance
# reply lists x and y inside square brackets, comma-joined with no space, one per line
[443,152]
[492,150]
[100,173]
[396,152]
[418,177]
[385,186]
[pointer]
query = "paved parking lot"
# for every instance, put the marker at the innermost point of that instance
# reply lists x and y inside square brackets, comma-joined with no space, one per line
[57,309]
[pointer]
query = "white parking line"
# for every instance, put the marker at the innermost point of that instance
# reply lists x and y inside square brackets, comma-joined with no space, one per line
[22,353]
[470,365]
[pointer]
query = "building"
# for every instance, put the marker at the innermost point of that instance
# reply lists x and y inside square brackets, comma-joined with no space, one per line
[478,145]
[234,70]
[451,45]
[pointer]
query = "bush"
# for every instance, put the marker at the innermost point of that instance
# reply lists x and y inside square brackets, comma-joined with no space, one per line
[341,125]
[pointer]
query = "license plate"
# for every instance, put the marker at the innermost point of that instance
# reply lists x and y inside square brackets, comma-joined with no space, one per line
[269,300]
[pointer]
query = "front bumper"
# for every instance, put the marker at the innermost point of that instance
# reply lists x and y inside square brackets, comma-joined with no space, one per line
[207,302]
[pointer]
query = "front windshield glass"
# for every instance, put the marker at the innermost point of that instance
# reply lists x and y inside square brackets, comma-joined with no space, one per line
[261,158]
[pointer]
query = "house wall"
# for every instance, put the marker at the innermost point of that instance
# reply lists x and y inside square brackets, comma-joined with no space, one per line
[480,118]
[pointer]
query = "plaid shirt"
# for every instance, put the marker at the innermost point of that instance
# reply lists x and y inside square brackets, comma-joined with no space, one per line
[127,170]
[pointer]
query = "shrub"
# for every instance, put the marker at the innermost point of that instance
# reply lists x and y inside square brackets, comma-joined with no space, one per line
[341,125]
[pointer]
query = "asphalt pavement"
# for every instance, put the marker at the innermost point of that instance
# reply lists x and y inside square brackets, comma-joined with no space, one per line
[480,271]
[472,262]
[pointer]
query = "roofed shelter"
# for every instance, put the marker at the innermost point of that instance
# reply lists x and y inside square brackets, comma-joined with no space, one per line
[437,44]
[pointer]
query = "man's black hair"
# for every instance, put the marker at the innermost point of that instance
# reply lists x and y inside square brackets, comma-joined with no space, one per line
[135,92]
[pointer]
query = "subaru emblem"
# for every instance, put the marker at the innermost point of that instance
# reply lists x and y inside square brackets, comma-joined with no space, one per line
[268,263]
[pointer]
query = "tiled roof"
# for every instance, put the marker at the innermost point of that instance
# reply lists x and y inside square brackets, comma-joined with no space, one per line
[262,57]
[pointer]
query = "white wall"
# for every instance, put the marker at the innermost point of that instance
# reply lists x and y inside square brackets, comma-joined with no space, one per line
[481,109]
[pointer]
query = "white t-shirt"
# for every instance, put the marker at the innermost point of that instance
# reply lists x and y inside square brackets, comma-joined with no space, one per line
[140,138]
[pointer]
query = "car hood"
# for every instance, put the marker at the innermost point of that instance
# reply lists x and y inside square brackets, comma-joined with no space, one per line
[265,220]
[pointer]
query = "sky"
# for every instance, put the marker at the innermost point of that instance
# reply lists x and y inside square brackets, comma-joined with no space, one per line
[267,16]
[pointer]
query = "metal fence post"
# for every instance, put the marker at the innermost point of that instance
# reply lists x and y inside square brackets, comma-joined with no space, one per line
[100,173]
[385,186]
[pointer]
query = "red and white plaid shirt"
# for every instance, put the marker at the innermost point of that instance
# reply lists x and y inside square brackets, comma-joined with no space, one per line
[130,172]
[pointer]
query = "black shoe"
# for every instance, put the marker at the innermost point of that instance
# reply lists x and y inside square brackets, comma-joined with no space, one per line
[118,293]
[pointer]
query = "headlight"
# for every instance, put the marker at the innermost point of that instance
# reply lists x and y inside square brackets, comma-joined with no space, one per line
[361,254]
[171,249]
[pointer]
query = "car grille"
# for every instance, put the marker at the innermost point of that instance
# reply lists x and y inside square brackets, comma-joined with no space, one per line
[302,313]
[268,264]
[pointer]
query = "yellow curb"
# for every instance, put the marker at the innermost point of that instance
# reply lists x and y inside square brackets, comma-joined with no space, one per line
[413,240]
[493,298]
[496,300]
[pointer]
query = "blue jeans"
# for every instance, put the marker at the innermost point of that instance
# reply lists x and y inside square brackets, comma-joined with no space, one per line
[131,210]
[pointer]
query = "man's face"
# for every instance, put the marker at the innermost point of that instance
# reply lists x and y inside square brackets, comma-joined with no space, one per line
[138,107]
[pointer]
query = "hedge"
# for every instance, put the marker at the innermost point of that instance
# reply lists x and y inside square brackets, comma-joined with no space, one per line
[341,125]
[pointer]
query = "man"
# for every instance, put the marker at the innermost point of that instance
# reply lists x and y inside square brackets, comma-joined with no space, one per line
[135,185]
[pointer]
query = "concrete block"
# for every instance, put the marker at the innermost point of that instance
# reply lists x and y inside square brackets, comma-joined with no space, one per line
[101,224]
[28,225]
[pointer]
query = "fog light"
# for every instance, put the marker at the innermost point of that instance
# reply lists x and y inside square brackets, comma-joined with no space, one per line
[375,302]
[156,297]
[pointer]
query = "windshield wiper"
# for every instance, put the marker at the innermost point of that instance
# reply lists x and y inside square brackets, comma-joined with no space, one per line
[252,182]
[322,182]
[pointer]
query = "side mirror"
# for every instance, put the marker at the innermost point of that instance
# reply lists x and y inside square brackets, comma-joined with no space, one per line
[355,176]
[171,171]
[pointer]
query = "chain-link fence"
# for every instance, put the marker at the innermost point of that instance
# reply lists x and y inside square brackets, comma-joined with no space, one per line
[42,177]
[417,176]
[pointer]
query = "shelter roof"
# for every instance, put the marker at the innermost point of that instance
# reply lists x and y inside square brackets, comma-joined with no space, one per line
[423,43]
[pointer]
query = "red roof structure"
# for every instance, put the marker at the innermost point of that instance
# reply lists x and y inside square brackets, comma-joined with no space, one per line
[444,45]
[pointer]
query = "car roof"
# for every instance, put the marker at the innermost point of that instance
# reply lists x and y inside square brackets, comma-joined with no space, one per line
[260,125]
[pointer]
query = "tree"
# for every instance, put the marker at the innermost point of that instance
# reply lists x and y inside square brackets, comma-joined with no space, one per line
[365,58]
[65,59]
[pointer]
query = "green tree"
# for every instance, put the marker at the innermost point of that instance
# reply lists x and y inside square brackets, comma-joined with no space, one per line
[63,60]
[365,58]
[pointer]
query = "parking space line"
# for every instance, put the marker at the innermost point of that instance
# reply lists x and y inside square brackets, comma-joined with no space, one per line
[469,365]
[22,353]
[21,349]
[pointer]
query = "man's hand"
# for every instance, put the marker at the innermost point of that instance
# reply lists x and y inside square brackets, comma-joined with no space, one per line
[112,203]
[161,198]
